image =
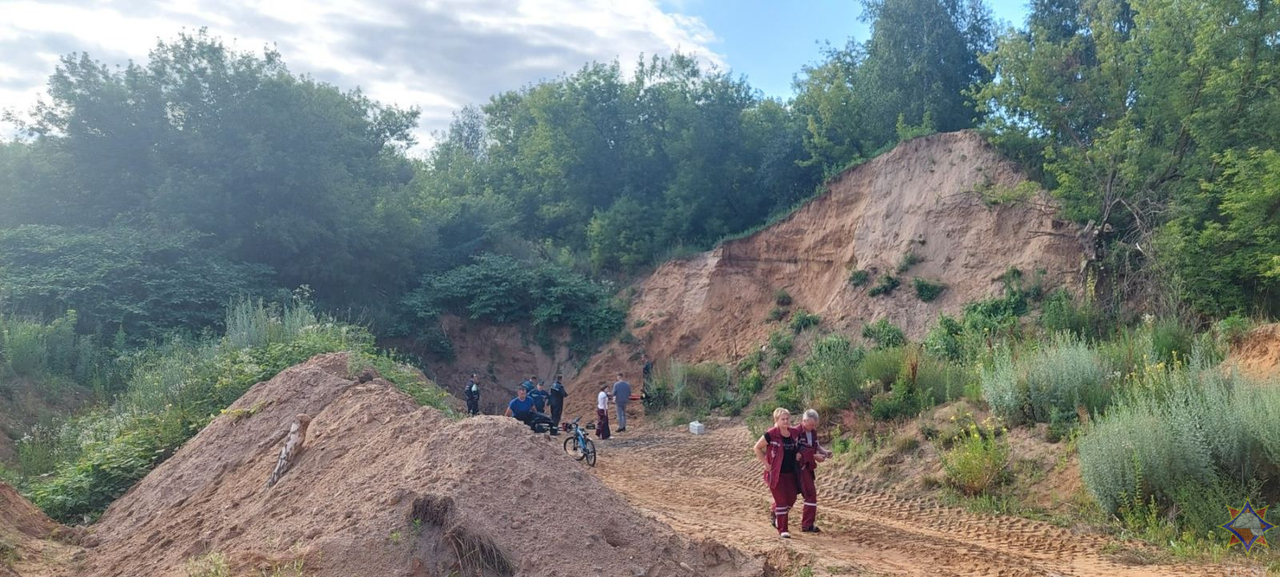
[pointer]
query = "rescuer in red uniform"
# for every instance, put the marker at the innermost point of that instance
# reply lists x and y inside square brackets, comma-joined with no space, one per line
[779,449]
[811,453]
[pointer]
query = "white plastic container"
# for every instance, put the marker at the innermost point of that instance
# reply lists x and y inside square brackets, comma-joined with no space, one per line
[697,428]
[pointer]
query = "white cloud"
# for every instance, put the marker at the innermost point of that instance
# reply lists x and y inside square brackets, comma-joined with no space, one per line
[438,55]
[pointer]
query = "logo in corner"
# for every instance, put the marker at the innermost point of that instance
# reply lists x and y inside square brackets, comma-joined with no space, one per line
[1248,526]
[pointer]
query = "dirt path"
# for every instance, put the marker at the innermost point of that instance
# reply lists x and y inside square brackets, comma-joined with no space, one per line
[710,486]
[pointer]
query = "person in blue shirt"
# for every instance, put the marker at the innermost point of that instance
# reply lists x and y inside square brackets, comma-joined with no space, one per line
[521,408]
[528,384]
[540,397]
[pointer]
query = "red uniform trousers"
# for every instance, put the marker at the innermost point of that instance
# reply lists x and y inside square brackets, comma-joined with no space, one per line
[784,497]
[602,423]
[809,489]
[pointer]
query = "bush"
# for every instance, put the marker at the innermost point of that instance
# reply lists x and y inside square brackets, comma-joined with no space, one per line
[1177,435]
[884,334]
[977,461]
[944,339]
[782,298]
[690,388]
[883,365]
[803,320]
[899,403]
[501,289]
[1232,330]
[1048,385]
[781,342]
[859,278]
[885,286]
[145,282]
[1060,313]
[909,260]
[927,290]
[777,314]
[829,378]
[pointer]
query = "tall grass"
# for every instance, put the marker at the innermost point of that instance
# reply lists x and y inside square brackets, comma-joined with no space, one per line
[1048,384]
[173,391]
[1181,433]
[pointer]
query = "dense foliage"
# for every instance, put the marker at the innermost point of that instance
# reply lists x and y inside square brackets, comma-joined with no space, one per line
[1139,112]
[500,289]
[74,471]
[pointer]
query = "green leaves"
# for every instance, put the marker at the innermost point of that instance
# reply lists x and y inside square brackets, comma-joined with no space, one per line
[500,289]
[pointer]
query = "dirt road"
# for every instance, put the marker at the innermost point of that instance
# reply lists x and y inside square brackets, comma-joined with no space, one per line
[710,486]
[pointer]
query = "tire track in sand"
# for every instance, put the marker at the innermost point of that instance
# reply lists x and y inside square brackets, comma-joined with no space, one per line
[710,486]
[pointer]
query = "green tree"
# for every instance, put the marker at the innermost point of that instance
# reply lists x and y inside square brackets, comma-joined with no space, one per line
[1226,240]
[1130,102]
[277,169]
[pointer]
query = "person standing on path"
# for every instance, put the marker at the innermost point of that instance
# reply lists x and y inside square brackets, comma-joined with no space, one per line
[556,398]
[472,394]
[621,396]
[779,450]
[602,413]
[646,372]
[811,454]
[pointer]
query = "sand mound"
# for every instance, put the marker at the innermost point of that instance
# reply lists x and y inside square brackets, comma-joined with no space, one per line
[1258,354]
[919,198]
[383,488]
[19,517]
[26,547]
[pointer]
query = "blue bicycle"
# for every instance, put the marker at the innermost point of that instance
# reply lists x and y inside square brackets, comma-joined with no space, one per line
[578,445]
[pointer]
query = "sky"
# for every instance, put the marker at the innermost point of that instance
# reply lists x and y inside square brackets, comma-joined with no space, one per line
[436,55]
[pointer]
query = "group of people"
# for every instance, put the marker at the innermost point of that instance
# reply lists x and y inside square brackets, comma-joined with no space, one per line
[791,456]
[533,400]
[621,396]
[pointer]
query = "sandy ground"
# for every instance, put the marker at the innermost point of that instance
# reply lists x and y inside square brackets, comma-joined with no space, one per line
[710,487]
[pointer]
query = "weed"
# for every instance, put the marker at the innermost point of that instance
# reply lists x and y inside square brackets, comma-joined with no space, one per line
[859,278]
[978,459]
[927,290]
[782,298]
[884,334]
[781,343]
[909,260]
[640,323]
[210,565]
[886,285]
[803,320]
[777,314]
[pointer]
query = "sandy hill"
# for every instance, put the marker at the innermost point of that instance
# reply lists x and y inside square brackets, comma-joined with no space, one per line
[919,198]
[1258,353]
[384,488]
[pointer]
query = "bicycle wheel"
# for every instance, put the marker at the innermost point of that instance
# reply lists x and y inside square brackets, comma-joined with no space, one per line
[590,453]
[571,448]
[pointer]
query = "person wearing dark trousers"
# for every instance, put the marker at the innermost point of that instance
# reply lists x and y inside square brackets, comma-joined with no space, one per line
[521,408]
[647,371]
[472,393]
[602,412]
[621,396]
[556,399]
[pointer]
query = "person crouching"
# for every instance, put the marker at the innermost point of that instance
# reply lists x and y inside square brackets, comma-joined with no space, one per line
[779,449]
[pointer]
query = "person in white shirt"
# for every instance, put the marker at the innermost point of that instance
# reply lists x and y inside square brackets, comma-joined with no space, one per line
[602,412]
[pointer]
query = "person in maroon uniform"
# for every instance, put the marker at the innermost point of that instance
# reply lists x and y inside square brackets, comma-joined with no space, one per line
[811,453]
[779,449]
